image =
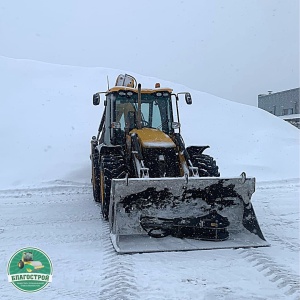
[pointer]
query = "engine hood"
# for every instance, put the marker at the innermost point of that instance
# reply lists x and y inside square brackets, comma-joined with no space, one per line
[153,138]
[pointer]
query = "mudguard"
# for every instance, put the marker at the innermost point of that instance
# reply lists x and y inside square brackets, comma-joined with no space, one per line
[138,206]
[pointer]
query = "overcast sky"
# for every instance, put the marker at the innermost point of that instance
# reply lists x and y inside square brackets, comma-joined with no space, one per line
[235,49]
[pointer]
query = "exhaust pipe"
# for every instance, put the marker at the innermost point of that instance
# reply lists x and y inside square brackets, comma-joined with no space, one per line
[139,115]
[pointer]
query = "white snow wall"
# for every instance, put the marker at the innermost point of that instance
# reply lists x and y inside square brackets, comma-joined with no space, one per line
[47,120]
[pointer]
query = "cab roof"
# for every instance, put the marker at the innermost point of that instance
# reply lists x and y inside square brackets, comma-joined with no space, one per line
[135,90]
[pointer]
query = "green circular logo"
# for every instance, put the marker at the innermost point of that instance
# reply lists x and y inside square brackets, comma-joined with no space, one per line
[30,269]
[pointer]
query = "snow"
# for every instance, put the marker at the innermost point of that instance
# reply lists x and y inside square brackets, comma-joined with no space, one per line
[63,221]
[46,122]
[159,144]
[289,117]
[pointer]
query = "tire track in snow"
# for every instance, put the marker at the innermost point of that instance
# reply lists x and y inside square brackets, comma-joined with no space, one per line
[293,246]
[285,279]
[117,280]
[277,218]
[57,231]
[74,294]
[60,229]
[43,192]
[277,224]
[71,222]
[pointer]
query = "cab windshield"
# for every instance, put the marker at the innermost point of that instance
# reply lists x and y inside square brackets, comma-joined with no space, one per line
[156,110]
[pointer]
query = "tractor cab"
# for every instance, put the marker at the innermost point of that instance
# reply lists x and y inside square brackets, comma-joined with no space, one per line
[155,111]
[129,107]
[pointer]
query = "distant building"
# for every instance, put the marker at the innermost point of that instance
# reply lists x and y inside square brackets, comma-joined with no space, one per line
[283,104]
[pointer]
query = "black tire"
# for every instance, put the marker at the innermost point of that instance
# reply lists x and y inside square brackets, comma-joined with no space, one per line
[207,166]
[21,264]
[96,179]
[111,166]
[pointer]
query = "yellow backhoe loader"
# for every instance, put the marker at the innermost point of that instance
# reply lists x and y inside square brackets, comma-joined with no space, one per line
[157,194]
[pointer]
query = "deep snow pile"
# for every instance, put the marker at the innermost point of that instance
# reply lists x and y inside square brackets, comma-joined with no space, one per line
[47,119]
[46,122]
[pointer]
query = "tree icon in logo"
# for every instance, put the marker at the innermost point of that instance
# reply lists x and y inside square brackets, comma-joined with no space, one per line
[30,269]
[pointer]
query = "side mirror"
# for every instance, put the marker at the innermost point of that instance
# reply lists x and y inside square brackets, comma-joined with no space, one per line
[188,98]
[96,99]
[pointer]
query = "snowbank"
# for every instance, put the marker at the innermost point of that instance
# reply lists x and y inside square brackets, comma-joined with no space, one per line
[47,119]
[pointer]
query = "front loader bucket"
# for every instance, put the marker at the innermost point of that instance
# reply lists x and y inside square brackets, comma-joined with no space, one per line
[180,214]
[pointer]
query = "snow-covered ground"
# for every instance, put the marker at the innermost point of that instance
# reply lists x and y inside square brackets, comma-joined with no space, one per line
[63,221]
[46,122]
